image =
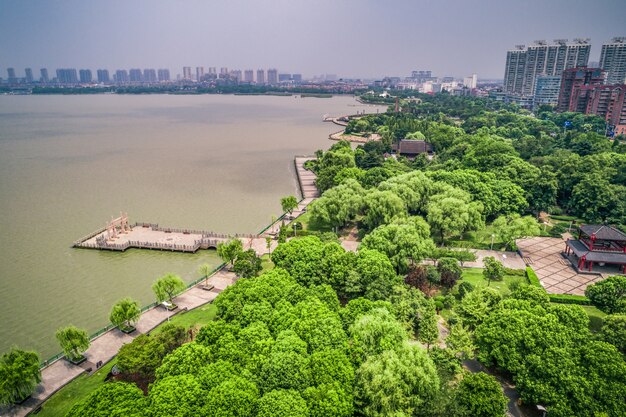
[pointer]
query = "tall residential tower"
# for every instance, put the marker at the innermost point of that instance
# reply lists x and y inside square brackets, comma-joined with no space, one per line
[613,61]
[525,64]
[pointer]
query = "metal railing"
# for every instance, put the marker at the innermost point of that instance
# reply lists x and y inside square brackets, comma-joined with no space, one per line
[45,363]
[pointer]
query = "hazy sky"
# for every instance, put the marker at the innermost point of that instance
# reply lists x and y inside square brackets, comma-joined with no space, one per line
[351,38]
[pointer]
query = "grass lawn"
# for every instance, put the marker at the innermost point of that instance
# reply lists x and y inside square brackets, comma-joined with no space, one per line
[479,239]
[195,318]
[596,317]
[266,263]
[77,390]
[475,277]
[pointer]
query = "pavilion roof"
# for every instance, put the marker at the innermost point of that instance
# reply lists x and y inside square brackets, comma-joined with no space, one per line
[580,250]
[413,147]
[603,232]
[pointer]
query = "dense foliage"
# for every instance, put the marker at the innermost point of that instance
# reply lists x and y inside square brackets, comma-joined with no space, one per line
[19,374]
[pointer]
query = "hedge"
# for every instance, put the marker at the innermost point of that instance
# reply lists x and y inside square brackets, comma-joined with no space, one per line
[532,277]
[570,299]
[563,218]
[515,272]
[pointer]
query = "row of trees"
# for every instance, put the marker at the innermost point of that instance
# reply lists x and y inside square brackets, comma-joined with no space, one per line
[283,345]
[19,369]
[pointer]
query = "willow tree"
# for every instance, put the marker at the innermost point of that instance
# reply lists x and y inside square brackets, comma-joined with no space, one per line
[73,341]
[125,314]
[19,375]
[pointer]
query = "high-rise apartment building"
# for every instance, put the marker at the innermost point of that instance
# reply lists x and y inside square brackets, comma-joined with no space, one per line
[44,75]
[186,73]
[28,75]
[236,75]
[572,79]
[613,61]
[514,69]
[121,77]
[135,75]
[199,73]
[164,74]
[67,76]
[103,76]
[547,89]
[11,76]
[272,76]
[260,76]
[297,78]
[149,75]
[525,64]
[85,76]
[606,101]
[470,81]
[248,76]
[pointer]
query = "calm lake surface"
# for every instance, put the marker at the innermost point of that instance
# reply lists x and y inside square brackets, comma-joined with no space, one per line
[69,163]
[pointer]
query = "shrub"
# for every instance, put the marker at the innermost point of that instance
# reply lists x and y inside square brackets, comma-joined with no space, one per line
[465,288]
[532,277]
[569,299]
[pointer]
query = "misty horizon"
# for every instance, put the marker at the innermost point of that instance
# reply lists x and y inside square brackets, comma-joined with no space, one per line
[352,39]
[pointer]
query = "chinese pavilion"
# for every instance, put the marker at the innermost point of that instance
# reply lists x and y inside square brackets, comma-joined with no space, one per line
[599,244]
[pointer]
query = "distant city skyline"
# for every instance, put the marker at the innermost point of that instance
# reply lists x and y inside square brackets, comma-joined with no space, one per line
[350,38]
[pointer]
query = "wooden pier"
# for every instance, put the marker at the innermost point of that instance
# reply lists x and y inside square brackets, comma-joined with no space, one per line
[117,236]
[306,178]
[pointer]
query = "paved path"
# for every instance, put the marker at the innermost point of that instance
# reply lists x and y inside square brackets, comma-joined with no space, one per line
[509,259]
[556,274]
[306,178]
[105,347]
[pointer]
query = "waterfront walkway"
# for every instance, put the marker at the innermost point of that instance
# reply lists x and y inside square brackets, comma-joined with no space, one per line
[106,346]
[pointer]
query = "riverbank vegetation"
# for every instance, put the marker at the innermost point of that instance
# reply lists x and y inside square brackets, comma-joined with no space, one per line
[389,330]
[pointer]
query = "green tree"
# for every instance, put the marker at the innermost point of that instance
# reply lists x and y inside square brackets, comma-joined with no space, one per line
[609,295]
[289,204]
[460,341]
[511,227]
[493,269]
[476,306]
[73,341]
[187,359]
[613,331]
[381,208]
[452,216]
[376,332]
[176,396]
[230,250]
[19,375]
[401,242]
[113,399]
[282,403]
[480,395]
[449,270]
[235,397]
[328,400]
[338,205]
[125,314]
[141,356]
[205,270]
[248,264]
[268,244]
[166,287]
[398,382]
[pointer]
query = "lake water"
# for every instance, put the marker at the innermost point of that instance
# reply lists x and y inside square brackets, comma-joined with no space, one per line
[69,163]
